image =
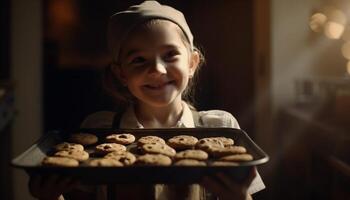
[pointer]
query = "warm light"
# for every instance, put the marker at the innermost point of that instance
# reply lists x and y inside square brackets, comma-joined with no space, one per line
[317,21]
[348,67]
[63,12]
[334,30]
[345,50]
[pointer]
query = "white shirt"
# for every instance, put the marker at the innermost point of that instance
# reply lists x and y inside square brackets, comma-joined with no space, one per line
[211,118]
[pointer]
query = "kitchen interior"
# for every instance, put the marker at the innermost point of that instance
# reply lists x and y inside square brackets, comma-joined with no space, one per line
[282,68]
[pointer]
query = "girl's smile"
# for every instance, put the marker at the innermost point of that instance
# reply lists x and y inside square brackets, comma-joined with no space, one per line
[159,86]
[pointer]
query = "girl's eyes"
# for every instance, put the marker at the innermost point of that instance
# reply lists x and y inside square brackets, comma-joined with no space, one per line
[171,55]
[137,60]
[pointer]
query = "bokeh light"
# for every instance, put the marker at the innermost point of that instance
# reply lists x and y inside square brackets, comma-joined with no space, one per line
[334,30]
[317,21]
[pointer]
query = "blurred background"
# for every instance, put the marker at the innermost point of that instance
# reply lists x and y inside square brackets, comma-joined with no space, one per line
[280,67]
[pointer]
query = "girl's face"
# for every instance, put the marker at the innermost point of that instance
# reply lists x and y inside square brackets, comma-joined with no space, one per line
[155,64]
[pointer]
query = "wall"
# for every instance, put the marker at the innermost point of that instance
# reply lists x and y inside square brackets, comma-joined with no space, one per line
[26,58]
[298,52]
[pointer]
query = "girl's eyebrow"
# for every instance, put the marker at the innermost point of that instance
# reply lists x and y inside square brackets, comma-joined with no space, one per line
[170,46]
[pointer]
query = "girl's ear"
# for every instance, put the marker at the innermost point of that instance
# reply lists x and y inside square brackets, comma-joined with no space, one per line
[194,62]
[118,73]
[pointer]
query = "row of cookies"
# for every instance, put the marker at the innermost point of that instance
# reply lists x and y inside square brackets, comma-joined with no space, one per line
[72,153]
[156,151]
[194,152]
[66,154]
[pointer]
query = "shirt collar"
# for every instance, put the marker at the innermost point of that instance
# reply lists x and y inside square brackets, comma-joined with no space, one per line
[129,120]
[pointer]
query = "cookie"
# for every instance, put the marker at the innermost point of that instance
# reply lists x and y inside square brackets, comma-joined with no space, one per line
[223,163]
[228,150]
[64,146]
[190,162]
[158,148]
[109,147]
[149,139]
[191,154]
[83,138]
[182,142]
[207,143]
[126,158]
[226,141]
[153,159]
[124,138]
[237,157]
[103,162]
[74,154]
[59,162]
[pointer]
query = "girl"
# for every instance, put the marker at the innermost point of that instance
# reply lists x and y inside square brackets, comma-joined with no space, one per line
[154,65]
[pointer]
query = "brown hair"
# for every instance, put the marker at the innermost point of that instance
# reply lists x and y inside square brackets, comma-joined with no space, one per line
[120,93]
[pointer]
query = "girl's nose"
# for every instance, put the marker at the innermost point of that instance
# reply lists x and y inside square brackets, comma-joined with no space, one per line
[158,67]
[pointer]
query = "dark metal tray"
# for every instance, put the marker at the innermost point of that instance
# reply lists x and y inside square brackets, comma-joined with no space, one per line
[30,159]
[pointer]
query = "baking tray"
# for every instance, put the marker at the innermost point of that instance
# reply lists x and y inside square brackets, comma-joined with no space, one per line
[30,159]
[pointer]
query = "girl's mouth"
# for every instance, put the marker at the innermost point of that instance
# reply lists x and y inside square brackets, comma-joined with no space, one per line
[158,86]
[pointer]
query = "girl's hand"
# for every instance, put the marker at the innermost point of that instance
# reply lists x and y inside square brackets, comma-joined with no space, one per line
[50,187]
[226,188]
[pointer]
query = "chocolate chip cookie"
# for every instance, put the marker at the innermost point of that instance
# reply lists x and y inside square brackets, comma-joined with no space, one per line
[83,138]
[149,139]
[153,159]
[103,162]
[226,141]
[74,154]
[237,158]
[189,162]
[224,151]
[59,162]
[158,148]
[191,154]
[109,147]
[124,138]
[125,157]
[65,146]
[182,142]
[208,143]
